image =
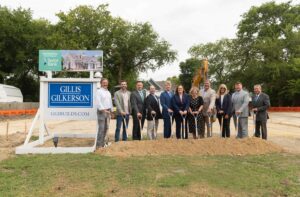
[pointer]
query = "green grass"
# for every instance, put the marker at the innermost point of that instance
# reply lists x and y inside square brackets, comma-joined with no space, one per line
[95,175]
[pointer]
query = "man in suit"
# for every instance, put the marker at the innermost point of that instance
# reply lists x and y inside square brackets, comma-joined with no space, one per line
[260,104]
[153,112]
[165,101]
[122,102]
[240,101]
[137,99]
[209,99]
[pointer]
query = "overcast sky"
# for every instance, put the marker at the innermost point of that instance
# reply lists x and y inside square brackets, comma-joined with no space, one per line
[182,23]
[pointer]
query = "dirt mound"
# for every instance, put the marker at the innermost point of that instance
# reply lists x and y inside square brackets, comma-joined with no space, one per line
[7,145]
[13,140]
[208,146]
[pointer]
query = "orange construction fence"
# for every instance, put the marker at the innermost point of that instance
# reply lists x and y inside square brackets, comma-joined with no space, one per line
[17,112]
[284,109]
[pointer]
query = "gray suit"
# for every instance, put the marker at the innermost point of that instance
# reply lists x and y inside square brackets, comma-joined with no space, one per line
[122,119]
[209,100]
[240,101]
[262,103]
[119,102]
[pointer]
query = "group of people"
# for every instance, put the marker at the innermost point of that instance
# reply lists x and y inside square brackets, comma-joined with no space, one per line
[193,112]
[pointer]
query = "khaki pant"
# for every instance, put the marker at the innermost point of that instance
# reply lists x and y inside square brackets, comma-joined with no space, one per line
[208,125]
[103,126]
[151,131]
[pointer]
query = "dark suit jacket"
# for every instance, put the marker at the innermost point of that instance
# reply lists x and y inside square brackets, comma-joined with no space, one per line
[227,104]
[137,104]
[262,104]
[177,105]
[165,101]
[152,104]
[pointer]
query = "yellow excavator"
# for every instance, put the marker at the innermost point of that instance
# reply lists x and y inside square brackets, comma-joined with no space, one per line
[201,74]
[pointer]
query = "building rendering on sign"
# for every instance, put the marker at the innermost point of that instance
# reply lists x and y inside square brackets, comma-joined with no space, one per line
[80,62]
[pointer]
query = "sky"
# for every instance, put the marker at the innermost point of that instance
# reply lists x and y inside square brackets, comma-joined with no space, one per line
[183,23]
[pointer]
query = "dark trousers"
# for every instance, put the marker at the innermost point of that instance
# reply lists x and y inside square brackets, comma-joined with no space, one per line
[119,123]
[261,127]
[136,129]
[179,122]
[167,127]
[226,125]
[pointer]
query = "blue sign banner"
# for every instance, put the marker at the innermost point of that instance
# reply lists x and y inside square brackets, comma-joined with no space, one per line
[70,95]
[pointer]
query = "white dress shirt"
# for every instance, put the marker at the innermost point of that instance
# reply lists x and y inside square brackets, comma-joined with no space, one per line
[103,99]
[222,97]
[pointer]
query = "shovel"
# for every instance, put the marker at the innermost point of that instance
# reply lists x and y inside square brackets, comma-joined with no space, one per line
[141,129]
[154,127]
[183,127]
[254,122]
[171,117]
[196,124]
[237,125]
[209,125]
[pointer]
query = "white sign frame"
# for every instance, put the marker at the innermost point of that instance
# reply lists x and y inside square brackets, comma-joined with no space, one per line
[44,135]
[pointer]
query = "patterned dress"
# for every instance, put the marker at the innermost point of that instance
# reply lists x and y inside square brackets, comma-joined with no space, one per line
[195,105]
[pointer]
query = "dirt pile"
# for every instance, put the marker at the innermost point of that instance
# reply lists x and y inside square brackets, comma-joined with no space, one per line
[7,145]
[13,140]
[207,146]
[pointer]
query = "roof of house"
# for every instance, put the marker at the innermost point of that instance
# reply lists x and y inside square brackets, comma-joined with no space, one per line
[159,85]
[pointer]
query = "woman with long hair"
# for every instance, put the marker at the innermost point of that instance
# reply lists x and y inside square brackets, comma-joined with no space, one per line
[224,108]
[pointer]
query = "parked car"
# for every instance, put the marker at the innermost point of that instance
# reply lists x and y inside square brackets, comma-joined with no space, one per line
[10,94]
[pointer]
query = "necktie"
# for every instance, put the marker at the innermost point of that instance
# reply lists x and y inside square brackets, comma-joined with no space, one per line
[142,95]
[256,98]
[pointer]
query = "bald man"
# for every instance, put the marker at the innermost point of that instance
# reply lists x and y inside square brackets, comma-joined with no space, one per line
[260,105]
[153,113]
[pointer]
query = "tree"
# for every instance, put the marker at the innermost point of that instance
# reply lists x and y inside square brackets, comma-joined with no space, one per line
[174,80]
[137,48]
[20,39]
[269,40]
[266,51]
[129,48]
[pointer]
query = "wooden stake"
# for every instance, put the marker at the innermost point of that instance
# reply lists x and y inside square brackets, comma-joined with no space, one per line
[7,126]
[25,129]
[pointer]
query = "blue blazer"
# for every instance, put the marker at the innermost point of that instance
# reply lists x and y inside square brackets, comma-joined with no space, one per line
[165,101]
[227,104]
[177,105]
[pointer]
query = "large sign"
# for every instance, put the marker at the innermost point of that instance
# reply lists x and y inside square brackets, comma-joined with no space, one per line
[70,95]
[68,99]
[71,60]
[50,60]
